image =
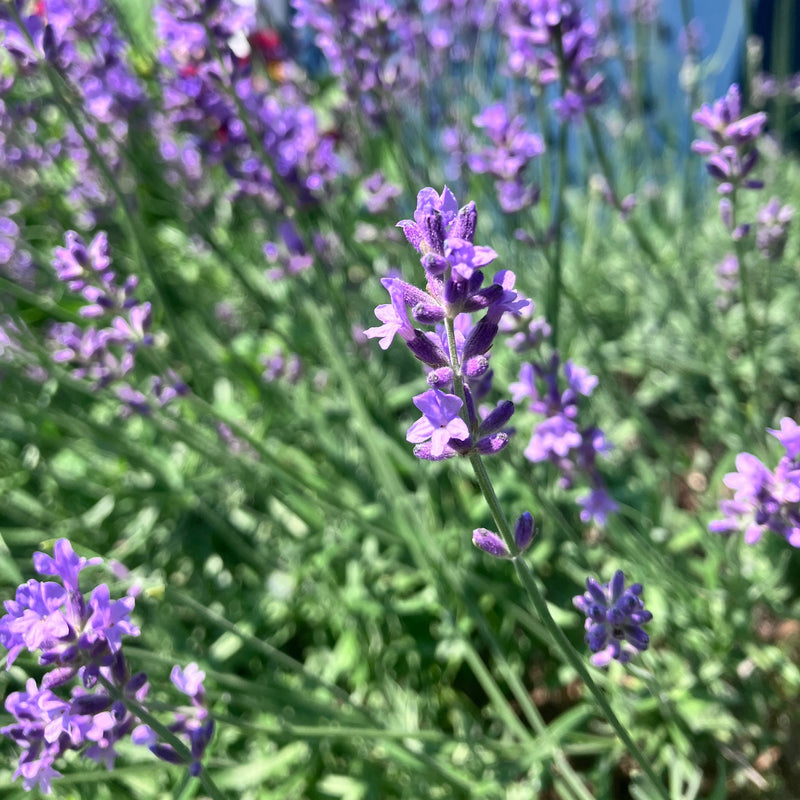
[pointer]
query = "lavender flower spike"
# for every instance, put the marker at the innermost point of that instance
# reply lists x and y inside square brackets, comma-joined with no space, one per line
[614,619]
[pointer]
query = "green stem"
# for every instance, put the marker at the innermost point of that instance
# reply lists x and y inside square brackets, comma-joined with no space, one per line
[556,279]
[523,697]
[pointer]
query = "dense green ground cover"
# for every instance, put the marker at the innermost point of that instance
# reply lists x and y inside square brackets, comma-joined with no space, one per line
[284,537]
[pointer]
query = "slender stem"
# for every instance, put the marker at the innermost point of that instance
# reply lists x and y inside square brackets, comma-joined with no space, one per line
[523,697]
[556,231]
[564,645]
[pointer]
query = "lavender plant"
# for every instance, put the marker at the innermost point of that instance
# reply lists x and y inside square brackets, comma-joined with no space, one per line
[444,236]
[206,408]
[76,636]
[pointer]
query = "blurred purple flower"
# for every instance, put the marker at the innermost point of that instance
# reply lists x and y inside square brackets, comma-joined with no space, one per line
[732,151]
[558,438]
[552,39]
[764,499]
[772,228]
[507,160]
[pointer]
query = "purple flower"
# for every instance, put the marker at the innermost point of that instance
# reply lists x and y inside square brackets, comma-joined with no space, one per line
[394,317]
[548,39]
[370,46]
[433,220]
[379,192]
[278,365]
[107,354]
[264,134]
[614,619]
[558,438]
[444,235]
[82,42]
[65,563]
[732,152]
[32,711]
[189,680]
[772,228]
[596,506]
[508,158]
[440,421]
[553,439]
[788,436]
[764,499]
[76,636]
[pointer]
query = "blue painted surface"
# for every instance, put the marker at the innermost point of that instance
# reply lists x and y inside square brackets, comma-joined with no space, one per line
[723,38]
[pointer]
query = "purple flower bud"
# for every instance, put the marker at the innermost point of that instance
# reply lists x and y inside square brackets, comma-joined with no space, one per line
[144,735]
[493,444]
[475,367]
[524,531]
[136,682]
[428,352]
[497,418]
[428,313]
[434,233]
[58,676]
[480,338]
[166,753]
[49,44]
[434,264]
[490,543]
[439,378]
[90,704]
[466,223]
[487,297]
[200,737]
